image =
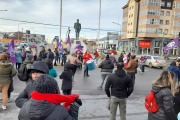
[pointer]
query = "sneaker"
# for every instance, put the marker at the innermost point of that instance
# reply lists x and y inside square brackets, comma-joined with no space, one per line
[88,75]
[3,107]
[99,88]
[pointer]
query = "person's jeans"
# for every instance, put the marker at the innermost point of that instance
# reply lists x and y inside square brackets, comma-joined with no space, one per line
[104,77]
[85,70]
[133,77]
[114,102]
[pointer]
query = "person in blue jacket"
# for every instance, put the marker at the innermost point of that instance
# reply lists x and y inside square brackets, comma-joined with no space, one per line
[18,56]
[52,71]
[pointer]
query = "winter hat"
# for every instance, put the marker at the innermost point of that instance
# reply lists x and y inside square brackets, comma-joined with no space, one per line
[67,66]
[46,84]
[178,60]
[3,57]
[49,63]
[39,66]
[173,63]
[120,65]
[107,57]
[29,56]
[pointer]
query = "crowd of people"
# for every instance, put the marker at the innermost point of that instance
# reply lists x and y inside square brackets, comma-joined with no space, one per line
[41,99]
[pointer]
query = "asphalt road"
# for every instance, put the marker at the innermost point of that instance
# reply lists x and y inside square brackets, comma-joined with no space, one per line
[94,101]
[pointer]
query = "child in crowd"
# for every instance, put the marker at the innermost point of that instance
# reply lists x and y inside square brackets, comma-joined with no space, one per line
[67,79]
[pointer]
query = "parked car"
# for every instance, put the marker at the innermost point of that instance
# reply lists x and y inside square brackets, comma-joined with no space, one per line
[111,51]
[155,61]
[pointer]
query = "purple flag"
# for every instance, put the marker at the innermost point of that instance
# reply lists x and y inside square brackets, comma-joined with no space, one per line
[60,47]
[78,47]
[10,50]
[174,43]
[69,40]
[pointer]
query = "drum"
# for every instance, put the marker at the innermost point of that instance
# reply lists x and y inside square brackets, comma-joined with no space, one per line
[91,65]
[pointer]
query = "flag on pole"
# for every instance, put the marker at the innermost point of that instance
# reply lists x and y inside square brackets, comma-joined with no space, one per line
[69,40]
[10,50]
[60,46]
[174,43]
[79,47]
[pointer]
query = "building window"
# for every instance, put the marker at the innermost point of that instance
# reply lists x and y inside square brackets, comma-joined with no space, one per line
[151,21]
[162,13]
[166,31]
[131,23]
[167,22]
[160,30]
[168,4]
[132,7]
[131,15]
[161,22]
[162,3]
[168,13]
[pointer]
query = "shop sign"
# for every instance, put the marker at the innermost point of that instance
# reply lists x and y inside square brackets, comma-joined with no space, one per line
[144,44]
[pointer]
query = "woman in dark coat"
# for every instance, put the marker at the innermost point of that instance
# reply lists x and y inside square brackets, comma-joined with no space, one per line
[45,102]
[164,92]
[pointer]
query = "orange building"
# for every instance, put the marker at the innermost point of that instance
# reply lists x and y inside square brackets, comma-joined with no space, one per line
[148,25]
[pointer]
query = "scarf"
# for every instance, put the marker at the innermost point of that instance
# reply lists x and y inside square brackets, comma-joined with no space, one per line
[55,98]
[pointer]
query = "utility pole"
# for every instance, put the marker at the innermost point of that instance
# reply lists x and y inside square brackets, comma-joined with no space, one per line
[60,20]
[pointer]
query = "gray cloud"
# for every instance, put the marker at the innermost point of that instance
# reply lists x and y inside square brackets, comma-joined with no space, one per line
[48,11]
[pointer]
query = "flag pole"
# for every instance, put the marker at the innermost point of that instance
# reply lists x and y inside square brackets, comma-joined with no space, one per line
[60,20]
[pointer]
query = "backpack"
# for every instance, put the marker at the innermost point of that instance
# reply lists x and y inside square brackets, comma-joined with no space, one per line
[22,73]
[150,103]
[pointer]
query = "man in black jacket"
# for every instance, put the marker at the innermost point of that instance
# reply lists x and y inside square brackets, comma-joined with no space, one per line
[50,55]
[121,87]
[106,69]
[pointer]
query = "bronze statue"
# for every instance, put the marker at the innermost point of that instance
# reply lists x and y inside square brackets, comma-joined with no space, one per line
[77,27]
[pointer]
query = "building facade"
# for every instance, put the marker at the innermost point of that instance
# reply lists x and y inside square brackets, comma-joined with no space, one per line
[148,25]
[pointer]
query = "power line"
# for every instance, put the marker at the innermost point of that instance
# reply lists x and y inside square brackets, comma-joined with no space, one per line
[50,24]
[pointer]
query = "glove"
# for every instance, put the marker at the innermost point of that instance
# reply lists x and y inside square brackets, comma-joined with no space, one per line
[78,102]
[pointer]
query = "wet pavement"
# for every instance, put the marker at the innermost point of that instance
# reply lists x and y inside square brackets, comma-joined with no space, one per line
[94,100]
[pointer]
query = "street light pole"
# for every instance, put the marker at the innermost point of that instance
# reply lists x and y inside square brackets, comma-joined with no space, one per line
[60,20]
[119,37]
[99,21]
[18,29]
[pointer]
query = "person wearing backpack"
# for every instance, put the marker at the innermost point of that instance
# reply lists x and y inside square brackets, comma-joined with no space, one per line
[23,73]
[163,89]
[36,69]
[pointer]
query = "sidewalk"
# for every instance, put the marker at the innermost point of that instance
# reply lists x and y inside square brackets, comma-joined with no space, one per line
[93,108]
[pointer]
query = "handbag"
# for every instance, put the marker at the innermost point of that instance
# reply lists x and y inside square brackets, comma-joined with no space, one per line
[108,104]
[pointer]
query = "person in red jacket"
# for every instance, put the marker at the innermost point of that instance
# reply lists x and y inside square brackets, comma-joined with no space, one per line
[86,57]
[96,55]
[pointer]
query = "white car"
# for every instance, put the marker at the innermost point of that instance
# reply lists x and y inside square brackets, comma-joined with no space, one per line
[155,61]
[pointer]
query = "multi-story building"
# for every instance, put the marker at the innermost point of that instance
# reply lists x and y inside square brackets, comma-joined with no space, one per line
[148,25]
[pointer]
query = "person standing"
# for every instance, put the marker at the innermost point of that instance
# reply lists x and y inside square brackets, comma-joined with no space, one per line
[74,61]
[113,59]
[42,54]
[164,91]
[56,56]
[60,55]
[23,53]
[45,102]
[86,57]
[52,71]
[50,54]
[96,55]
[64,58]
[121,87]
[131,67]
[106,69]
[18,55]
[37,69]
[7,72]
[66,77]
[120,59]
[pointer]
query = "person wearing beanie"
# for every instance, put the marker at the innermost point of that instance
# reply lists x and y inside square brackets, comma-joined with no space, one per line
[118,88]
[7,72]
[36,69]
[107,67]
[52,71]
[173,68]
[46,100]
[66,76]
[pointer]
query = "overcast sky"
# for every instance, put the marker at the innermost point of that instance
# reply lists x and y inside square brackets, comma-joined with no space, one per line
[48,12]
